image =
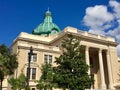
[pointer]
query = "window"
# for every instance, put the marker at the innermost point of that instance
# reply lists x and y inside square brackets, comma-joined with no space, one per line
[32,73]
[33,88]
[45,58]
[33,57]
[48,58]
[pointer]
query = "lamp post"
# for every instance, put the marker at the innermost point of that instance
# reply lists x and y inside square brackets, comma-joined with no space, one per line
[28,69]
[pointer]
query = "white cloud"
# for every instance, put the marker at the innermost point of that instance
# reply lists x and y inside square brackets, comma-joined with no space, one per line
[96,18]
[101,21]
[114,33]
[116,12]
[116,8]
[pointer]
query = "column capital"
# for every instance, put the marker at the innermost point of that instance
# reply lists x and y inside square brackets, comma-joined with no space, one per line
[107,52]
[100,50]
[87,47]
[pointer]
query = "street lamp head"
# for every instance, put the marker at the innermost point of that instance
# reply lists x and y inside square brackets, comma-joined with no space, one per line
[31,51]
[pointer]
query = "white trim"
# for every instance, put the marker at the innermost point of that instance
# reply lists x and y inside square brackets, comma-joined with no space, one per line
[46,53]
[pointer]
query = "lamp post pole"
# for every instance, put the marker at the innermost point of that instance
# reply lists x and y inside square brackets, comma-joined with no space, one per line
[28,69]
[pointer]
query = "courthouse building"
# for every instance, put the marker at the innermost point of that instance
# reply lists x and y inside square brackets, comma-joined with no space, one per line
[100,52]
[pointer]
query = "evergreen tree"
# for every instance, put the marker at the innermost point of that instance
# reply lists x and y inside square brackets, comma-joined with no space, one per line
[14,83]
[8,63]
[3,69]
[71,70]
[46,79]
[18,83]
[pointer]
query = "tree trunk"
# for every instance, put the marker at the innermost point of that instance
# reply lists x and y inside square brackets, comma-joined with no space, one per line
[1,84]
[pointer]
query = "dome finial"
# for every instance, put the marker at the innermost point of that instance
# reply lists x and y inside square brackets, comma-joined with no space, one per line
[48,9]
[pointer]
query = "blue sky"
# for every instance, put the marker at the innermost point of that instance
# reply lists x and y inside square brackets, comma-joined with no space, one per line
[96,16]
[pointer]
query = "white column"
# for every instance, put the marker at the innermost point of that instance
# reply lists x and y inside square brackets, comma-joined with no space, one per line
[103,85]
[87,58]
[109,71]
[88,61]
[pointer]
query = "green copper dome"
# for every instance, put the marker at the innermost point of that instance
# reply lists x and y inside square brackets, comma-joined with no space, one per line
[47,27]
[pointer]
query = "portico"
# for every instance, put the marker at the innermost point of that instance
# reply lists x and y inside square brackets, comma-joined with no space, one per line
[100,65]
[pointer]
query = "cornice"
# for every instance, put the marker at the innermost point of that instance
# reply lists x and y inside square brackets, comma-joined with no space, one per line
[86,38]
[68,30]
[38,49]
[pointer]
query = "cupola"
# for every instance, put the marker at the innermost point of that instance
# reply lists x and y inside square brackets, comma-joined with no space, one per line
[47,27]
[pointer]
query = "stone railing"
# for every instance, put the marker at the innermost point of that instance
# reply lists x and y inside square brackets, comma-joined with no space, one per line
[85,33]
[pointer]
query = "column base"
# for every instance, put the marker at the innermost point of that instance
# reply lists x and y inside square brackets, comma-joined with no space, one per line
[111,87]
[103,86]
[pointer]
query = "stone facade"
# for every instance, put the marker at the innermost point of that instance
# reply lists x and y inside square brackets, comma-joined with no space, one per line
[100,52]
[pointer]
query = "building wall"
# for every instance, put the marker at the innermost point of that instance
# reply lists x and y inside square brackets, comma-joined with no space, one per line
[50,45]
[114,63]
